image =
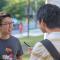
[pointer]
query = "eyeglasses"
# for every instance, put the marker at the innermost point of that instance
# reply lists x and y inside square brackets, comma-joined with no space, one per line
[8,23]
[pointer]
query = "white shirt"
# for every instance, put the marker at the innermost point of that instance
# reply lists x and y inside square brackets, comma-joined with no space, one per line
[45,35]
[39,52]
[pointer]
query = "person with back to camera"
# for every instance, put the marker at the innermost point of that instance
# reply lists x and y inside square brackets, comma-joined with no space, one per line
[48,17]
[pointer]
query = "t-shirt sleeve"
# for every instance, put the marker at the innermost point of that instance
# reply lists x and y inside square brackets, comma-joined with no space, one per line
[20,51]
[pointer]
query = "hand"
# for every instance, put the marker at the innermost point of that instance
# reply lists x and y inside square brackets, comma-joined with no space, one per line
[29,50]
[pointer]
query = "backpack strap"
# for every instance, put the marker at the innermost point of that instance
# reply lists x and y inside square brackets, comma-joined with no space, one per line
[51,49]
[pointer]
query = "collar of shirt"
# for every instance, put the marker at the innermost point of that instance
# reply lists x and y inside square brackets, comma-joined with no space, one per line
[53,36]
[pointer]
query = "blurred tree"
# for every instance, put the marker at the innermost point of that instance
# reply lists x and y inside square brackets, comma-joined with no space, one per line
[2,4]
[35,4]
[17,7]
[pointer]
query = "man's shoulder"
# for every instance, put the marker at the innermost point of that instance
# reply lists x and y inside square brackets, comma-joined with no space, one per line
[13,37]
[39,50]
[37,46]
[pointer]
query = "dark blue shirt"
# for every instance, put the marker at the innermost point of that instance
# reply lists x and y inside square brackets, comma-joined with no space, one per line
[13,44]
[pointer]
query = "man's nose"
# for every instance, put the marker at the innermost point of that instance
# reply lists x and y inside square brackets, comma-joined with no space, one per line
[10,25]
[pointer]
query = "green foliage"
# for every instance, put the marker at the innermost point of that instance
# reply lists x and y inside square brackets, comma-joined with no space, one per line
[36,4]
[2,4]
[31,40]
[17,8]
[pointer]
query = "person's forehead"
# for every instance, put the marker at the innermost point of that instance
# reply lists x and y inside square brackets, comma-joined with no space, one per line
[7,19]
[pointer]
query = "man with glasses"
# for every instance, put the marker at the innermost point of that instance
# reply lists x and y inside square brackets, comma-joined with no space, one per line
[10,47]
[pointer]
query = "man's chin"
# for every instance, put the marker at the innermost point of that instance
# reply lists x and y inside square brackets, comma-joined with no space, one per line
[8,33]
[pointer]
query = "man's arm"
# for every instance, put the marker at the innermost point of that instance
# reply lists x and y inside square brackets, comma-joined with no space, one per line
[35,54]
[34,57]
[19,55]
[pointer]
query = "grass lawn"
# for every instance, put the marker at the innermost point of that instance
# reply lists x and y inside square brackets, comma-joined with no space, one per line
[30,41]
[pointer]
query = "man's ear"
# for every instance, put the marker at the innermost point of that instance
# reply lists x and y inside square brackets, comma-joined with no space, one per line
[43,23]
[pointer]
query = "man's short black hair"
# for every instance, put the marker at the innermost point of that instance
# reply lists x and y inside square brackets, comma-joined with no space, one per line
[50,14]
[2,16]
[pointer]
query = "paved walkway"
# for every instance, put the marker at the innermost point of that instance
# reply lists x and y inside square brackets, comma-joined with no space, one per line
[34,32]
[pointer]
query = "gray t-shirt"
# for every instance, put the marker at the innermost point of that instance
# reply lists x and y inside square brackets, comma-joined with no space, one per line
[10,48]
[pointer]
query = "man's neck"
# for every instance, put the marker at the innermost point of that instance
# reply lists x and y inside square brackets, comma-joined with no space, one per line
[53,30]
[4,36]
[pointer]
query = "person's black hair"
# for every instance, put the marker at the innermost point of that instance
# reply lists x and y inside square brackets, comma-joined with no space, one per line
[2,16]
[50,14]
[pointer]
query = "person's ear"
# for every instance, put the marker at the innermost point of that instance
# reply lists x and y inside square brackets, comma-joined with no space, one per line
[43,23]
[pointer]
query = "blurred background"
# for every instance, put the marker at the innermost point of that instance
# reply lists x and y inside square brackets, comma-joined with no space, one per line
[24,17]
